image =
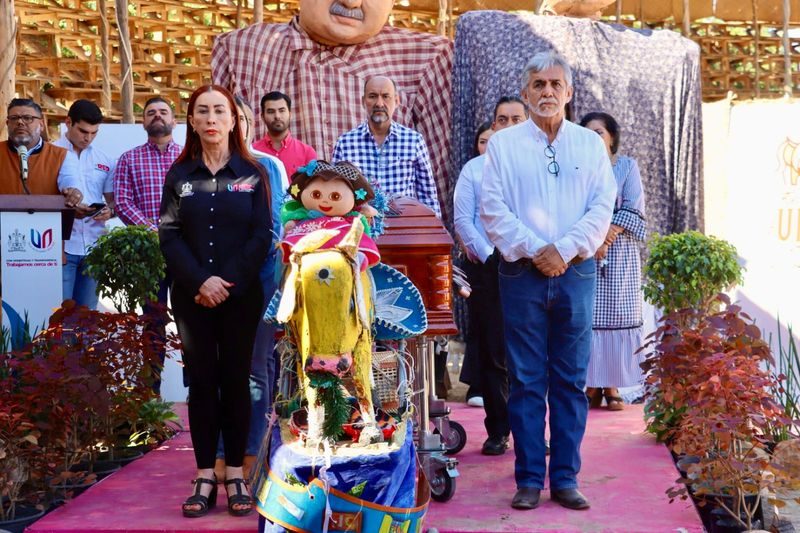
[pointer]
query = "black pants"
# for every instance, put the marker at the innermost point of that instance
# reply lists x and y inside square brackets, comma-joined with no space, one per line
[485,337]
[217,348]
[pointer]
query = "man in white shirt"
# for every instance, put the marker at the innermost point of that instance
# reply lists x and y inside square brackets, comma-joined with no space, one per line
[96,172]
[546,202]
[485,358]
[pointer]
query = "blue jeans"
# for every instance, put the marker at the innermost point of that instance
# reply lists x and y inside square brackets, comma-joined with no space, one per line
[262,371]
[548,331]
[78,285]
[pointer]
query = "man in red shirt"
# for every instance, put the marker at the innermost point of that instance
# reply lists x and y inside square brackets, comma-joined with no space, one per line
[276,111]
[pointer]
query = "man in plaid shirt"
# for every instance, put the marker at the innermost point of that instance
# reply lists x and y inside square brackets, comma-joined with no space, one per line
[386,152]
[138,182]
[139,176]
[322,60]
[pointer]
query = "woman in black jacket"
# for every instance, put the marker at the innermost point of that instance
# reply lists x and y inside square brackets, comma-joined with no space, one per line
[215,230]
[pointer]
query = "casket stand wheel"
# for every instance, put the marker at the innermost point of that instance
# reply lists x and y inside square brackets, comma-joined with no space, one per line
[453,435]
[443,486]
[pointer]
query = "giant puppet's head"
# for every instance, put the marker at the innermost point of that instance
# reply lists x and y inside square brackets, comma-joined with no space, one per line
[335,22]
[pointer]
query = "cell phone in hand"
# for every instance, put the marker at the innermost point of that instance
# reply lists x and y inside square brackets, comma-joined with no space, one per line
[95,208]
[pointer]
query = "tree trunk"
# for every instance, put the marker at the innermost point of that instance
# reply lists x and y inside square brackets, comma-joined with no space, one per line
[788,83]
[258,11]
[125,61]
[687,21]
[757,52]
[105,60]
[8,56]
[239,13]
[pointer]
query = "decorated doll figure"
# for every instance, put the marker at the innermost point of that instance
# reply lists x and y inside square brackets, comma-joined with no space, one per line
[329,197]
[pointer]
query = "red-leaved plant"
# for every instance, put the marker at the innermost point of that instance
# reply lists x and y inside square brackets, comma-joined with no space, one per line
[714,372]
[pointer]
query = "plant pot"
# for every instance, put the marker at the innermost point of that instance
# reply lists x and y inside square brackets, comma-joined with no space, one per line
[72,487]
[25,516]
[122,456]
[101,469]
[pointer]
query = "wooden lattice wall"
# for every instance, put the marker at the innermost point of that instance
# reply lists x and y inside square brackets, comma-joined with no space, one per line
[58,46]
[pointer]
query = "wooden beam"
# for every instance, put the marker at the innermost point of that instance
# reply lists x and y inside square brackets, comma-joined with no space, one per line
[687,21]
[258,11]
[757,51]
[239,13]
[618,11]
[788,83]
[125,60]
[8,56]
[441,26]
[105,61]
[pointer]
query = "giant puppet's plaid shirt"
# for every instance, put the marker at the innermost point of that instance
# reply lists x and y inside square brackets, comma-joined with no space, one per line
[327,83]
[400,166]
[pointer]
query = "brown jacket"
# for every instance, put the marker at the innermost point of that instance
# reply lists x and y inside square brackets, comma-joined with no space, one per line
[43,168]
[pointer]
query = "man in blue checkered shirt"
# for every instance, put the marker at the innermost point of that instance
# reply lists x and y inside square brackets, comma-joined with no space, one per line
[388,153]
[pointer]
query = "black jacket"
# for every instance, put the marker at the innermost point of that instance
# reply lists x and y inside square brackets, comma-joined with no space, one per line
[215,225]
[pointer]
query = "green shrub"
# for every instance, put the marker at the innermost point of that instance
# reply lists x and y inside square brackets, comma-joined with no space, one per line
[688,270]
[128,266]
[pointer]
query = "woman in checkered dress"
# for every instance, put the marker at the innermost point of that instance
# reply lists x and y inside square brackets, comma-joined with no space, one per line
[617,325]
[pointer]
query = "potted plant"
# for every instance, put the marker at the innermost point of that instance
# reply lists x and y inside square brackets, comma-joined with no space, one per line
[728,413]
[128,266]
[155,423]
[683,274]
[19,443]
[687,271]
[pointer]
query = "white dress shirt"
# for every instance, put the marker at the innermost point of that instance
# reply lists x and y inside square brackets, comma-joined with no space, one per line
[95,177]
[466,205]
[524,207]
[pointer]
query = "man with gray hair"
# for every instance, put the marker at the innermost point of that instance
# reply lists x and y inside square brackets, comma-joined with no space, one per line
[546,203]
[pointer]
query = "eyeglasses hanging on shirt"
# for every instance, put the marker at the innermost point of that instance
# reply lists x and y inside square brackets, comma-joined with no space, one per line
[552,166]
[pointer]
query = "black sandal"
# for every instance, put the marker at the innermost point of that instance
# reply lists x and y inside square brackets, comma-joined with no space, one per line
[205,502]
[240,498]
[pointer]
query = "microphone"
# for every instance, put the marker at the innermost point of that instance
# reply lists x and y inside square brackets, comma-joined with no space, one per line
[22,150]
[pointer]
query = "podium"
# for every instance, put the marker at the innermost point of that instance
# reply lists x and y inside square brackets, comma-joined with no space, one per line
[31,229]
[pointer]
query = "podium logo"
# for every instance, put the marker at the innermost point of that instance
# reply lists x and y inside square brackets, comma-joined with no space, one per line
[16,241]
[41,241]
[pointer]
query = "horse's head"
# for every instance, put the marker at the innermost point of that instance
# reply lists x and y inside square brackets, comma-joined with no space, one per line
[323,301]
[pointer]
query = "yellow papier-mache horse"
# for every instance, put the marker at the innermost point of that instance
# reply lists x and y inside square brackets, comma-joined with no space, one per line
[327,307]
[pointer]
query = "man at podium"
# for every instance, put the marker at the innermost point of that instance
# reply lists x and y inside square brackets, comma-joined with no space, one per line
[28,165]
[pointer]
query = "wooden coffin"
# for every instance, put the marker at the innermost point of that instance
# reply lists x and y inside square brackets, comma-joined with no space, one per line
[416,243]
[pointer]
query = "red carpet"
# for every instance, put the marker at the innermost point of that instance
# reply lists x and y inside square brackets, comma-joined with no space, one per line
[625,474]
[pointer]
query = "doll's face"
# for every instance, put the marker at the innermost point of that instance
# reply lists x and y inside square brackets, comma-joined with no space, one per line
[333,198]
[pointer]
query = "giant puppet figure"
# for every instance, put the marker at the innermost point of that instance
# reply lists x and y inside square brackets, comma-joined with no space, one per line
[322,59]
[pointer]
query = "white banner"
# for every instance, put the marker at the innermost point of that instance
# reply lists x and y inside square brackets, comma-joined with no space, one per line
[753,201]
[31,269]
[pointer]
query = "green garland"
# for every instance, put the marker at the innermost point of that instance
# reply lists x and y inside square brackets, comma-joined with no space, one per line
[330,396]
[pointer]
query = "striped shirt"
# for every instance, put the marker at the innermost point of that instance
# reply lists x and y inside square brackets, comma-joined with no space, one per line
[327,83]
[400,166]
[139,180]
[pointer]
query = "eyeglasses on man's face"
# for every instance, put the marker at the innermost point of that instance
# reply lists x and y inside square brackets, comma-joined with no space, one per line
[26,119]
[552,166]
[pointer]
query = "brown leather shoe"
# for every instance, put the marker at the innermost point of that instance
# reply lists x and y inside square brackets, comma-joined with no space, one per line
[570,498]
[526,498]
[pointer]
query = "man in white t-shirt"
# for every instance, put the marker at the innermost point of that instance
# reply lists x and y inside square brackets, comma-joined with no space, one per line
[96,172]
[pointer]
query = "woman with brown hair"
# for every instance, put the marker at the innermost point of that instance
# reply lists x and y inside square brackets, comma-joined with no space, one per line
[215,230]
